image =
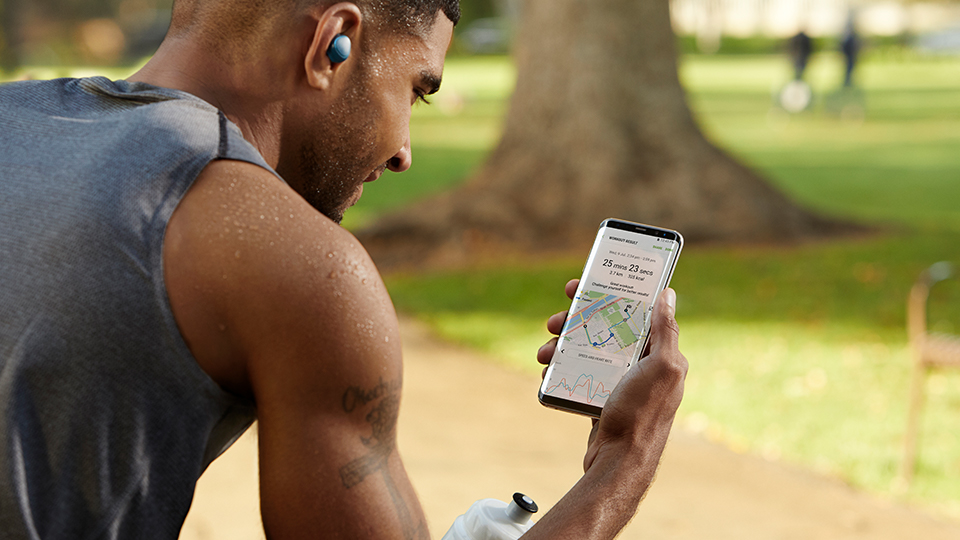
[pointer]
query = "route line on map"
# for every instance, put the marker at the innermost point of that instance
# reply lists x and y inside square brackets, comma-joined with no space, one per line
[587,320]
[595,345]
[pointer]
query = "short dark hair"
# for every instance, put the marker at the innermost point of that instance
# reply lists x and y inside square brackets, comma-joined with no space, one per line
[415,16]
[241,16]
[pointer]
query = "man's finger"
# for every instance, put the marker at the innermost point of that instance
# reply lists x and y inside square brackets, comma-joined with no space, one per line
[545,353]
[664,332]
[571,288]
[555,322]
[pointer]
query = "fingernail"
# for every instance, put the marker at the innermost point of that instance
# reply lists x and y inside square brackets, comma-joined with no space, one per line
[670,297]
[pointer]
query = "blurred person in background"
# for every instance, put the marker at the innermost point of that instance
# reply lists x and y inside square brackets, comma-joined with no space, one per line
[850,47]
[800,48]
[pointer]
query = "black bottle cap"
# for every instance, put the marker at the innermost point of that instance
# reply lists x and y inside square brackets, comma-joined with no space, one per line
[525,502]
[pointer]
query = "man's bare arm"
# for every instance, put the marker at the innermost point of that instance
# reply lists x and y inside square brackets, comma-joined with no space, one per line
[258,280]
[280,304]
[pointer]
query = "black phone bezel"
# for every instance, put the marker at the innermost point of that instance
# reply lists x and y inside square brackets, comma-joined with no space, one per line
[569,405]
[640,228]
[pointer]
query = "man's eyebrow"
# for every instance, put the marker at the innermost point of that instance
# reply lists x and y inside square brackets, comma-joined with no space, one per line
[430,81]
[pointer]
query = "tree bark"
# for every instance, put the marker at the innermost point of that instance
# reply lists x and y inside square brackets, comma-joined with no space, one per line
[598,127]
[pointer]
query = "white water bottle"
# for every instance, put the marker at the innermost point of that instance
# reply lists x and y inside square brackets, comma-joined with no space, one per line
[490,519]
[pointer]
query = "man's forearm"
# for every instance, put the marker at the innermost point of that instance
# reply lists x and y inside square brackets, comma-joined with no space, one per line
[604,500]
[627,441]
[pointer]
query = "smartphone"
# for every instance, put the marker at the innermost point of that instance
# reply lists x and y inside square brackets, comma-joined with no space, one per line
[609,320]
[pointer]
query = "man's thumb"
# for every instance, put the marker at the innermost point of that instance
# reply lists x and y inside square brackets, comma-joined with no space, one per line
[664,332]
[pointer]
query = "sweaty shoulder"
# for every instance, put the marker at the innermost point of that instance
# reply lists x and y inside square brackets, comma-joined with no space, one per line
[271,296]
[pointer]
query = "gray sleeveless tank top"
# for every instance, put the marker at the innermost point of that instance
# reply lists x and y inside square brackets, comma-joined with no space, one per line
[106,419]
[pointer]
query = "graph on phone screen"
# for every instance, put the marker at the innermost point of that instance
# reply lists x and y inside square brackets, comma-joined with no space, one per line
[585,386]
[608,320]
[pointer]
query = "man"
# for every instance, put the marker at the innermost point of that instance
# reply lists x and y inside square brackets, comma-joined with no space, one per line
[801,48]
[850,47]
[171,267]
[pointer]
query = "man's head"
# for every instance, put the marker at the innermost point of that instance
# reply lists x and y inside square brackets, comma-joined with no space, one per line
[341,124]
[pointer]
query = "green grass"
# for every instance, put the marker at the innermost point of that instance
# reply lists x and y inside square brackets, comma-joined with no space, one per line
[434,169]
[797,353]
[899,164]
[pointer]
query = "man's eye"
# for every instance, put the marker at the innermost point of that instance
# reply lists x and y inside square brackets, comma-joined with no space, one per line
[421,97]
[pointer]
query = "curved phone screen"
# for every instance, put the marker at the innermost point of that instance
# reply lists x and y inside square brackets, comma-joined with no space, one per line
[608,322]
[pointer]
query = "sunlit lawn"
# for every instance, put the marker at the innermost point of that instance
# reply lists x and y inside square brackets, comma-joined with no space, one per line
[797,353]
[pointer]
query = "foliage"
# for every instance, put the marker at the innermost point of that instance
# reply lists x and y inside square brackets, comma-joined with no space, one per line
[89,32]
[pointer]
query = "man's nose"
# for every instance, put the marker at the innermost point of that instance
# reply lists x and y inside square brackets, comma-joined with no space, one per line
[402,160]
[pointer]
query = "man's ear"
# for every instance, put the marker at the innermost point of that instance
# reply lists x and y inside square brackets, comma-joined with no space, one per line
[343,18]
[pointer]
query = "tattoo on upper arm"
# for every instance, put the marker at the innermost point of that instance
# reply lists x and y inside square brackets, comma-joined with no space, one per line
[381,443]
[383,421]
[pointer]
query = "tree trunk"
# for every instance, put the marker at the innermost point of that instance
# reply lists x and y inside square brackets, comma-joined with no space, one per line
[598,127]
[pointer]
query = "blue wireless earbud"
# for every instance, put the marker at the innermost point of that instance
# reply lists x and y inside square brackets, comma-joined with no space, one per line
[339,49]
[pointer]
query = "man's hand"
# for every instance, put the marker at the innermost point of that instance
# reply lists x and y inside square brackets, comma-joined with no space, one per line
[625,444]
[641,409]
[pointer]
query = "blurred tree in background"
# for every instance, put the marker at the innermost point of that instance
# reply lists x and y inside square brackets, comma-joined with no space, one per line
[598,127]
[84,32]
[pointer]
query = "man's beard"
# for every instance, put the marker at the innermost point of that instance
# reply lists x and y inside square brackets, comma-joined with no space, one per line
[329,185]
[339,153]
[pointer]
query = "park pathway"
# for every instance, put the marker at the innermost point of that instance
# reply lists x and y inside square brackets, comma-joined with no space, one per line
[470,429]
